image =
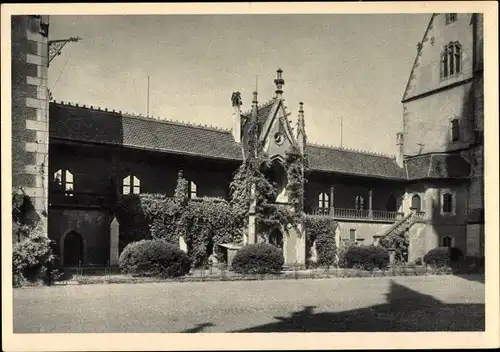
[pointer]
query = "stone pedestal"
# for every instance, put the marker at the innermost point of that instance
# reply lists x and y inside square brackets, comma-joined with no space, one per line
[114,238]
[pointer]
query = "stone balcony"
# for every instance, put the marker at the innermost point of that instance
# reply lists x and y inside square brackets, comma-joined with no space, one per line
[356,214]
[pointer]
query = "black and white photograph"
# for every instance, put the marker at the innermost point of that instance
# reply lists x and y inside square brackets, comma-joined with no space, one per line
[249,171]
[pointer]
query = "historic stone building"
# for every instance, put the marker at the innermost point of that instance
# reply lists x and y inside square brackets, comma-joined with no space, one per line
[431,187]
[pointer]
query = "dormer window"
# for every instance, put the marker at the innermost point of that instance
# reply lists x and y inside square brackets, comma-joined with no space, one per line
[455,130]
[63,181]
[131,185]
[451,60]
[450,18]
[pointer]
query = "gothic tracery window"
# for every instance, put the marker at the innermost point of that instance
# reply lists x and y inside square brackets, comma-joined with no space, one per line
[451,60]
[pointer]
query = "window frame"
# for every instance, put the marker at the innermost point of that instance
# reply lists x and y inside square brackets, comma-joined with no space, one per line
[452,203]
[193,191]
[67,187]
[359,203]
[132,183]
[324,200]
[451,18]
[351,232]
[451,60]
[455,130]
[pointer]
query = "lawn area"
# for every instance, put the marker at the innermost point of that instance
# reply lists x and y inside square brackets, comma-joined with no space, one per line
[419,303]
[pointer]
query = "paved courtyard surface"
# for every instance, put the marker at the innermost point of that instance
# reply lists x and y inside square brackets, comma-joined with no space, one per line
[426,303]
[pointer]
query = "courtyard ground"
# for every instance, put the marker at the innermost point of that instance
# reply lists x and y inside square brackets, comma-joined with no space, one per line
[421,303]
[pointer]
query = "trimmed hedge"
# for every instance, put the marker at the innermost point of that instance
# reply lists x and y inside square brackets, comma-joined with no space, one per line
[322,230]
[154,258]
[442,256]
[367,257]
[260,258]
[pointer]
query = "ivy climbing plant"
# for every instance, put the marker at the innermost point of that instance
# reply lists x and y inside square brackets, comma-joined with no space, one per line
[251,188]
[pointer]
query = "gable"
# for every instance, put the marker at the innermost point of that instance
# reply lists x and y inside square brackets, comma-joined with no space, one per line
[425,75]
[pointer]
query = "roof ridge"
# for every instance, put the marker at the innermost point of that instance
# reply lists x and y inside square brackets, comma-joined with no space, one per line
[146,118]
[360,151]
[259,106]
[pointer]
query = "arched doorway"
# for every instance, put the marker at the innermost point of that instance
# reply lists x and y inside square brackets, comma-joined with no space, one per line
[416,203]
[276,239]
[392,204]
[276,174]
[72,245]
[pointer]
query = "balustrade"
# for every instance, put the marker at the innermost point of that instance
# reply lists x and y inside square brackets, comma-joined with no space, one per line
[344,213]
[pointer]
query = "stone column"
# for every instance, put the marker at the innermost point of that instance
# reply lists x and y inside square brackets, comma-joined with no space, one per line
[114,240]
[252,231]
[332,197]
[370,203]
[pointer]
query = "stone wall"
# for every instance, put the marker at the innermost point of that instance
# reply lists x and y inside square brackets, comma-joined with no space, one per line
[93,225]
[30,112]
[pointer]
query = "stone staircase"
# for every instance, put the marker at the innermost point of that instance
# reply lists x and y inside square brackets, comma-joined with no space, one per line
[404,224]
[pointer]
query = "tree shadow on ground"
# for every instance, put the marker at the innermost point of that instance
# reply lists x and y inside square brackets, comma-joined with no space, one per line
[475,277]
[405,310]
[199,327]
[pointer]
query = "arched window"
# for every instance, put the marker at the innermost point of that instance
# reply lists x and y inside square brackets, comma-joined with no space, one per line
[324,201]
[359,203]
[63,181]
[131,185]
[451,60]
[193,190]
[415,203]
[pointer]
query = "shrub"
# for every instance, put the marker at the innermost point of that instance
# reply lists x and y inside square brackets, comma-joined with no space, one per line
[33,260]
[342,251]
[367,257]
[321,229]
[442,257]
[154,258]
[261,258]
[418,261]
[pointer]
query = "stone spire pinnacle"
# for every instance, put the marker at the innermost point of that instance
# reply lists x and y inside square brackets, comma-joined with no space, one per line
[279,81]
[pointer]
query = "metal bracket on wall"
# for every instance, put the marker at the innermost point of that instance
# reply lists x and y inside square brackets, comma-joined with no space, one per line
[56,46]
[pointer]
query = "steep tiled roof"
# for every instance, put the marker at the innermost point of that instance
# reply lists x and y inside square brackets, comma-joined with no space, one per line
[346,161]
[80,123]
[100,126]
[439,165]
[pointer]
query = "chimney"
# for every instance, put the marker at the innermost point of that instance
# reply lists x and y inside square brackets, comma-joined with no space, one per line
[301,128]
[279,81]
[236,101]
[399,149]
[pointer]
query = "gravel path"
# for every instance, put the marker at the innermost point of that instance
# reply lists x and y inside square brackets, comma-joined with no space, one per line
[427,303]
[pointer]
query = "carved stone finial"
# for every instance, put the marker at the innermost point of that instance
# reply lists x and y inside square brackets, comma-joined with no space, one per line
[236,99]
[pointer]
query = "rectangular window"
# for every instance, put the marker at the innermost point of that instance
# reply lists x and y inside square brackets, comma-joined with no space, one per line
[352,234]
[447,203]
[451,17]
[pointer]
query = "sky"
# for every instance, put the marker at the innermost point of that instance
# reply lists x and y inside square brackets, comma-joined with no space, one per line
[353,66]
